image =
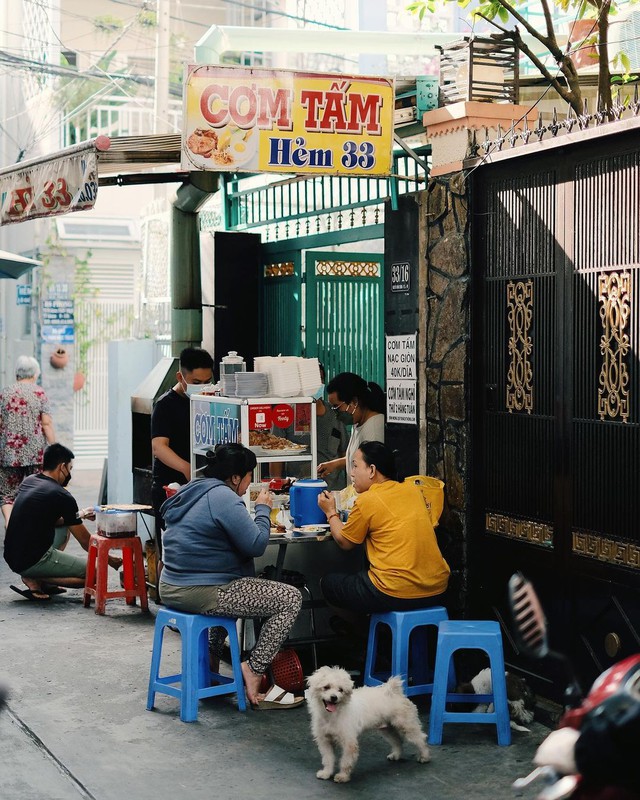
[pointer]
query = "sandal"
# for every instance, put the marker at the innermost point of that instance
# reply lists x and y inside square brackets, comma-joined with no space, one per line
[276,697]
[31,594]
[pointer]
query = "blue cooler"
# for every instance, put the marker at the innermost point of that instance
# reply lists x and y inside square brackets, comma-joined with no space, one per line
[303,502]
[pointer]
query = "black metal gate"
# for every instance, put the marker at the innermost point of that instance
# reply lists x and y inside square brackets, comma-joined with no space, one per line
[557,396]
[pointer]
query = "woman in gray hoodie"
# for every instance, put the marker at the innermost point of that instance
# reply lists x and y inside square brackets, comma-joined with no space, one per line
[209,546]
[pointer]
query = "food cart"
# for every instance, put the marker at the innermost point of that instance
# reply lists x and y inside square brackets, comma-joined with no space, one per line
[277,429]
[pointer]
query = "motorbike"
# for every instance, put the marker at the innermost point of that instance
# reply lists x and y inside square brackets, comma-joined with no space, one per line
[591,756]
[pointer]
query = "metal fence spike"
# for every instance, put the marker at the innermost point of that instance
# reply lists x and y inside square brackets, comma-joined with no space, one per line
[513,134]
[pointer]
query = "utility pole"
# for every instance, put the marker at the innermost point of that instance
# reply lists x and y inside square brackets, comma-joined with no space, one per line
[161,96]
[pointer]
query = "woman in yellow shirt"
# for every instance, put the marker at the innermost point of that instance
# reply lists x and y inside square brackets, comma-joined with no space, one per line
[406,567]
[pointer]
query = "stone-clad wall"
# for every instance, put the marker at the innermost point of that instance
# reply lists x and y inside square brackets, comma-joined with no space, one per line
[447,364]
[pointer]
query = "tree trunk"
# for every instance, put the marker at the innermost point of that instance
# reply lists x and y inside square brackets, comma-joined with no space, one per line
[604,72]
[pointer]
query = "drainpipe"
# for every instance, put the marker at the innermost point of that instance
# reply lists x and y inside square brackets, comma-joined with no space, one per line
[184,259]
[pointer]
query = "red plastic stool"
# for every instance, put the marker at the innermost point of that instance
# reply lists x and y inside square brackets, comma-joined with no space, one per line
[95,584]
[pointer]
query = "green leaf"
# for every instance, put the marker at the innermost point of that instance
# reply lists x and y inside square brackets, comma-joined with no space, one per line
[503,14]
[625,61]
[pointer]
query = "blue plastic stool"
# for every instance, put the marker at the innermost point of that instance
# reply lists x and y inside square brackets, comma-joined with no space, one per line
[466,635]
[402,623]
[195,677]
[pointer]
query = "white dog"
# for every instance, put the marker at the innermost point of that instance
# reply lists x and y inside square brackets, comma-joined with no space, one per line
[339,714]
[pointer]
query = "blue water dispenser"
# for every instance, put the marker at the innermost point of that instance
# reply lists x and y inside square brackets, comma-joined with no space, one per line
[303,502]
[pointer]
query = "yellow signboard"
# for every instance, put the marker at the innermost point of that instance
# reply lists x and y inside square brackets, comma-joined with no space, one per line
[258,120]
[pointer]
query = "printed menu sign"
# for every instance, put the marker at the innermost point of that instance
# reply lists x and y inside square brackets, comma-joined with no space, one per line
[57,320]
[261,120]
[402,379]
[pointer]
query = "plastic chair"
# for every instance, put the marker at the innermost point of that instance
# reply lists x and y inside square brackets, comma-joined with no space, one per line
[469,635]
[95,583]
[195,676]
[401,624]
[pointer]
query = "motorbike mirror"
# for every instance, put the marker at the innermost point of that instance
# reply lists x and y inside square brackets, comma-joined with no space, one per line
[530,621]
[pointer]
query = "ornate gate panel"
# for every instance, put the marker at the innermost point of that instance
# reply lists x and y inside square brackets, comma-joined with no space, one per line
[605,419]
[557,407]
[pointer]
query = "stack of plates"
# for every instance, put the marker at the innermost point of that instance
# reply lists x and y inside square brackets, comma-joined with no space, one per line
[284,379]
[228,384]
[251,384]
[309,371]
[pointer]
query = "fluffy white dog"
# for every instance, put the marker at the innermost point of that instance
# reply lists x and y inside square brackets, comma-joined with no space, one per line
[339,714]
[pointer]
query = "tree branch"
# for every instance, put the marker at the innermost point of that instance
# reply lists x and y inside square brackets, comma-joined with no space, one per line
[551,33]
[525,24]
[573,95]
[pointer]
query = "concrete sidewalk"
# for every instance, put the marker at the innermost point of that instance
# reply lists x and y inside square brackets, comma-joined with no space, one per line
[76,724]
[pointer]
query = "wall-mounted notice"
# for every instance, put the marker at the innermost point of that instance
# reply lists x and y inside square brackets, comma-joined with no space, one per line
[402,379]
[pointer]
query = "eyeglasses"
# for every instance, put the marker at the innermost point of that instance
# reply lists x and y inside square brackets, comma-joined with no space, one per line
[337,407]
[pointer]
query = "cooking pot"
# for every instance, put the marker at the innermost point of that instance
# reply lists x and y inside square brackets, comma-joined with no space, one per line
[303,500]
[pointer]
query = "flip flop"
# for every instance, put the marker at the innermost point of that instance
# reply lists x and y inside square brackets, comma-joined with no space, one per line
[277,698]
[50,588]
[31,594]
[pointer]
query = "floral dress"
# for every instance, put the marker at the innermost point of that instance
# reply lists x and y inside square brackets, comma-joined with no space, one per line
[22,439]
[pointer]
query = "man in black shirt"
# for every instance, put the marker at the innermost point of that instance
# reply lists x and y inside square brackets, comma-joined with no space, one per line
[32,546]
[170,435]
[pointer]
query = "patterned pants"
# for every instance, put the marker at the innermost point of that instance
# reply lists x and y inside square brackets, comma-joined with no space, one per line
[278,603]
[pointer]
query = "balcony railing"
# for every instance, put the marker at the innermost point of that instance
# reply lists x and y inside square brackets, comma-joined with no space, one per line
[117,116]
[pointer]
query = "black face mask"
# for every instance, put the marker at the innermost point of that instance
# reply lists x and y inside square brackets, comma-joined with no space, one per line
[345,417]
[65,482]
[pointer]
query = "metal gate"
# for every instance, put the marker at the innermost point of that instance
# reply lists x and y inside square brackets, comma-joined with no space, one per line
[334,311]
[557,405]
[282,305]
[344,312]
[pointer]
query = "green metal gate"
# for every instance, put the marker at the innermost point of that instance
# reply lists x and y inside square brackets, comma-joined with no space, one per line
[344,312]
[282,305]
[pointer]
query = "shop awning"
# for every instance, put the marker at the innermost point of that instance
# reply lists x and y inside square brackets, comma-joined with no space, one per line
[13,266]
[69,179]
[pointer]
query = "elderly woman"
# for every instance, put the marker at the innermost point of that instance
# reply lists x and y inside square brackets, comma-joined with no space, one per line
[406,568]
[26,428]
[209,545]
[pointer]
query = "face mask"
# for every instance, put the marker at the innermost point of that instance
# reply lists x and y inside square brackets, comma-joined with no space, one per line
[344,417]
[193,388]
[67,478]
[319,393]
